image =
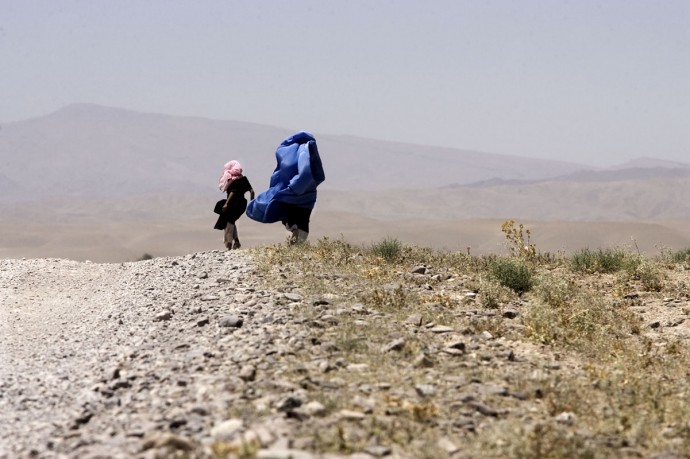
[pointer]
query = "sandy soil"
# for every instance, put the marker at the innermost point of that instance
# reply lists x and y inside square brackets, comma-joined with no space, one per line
[128,240]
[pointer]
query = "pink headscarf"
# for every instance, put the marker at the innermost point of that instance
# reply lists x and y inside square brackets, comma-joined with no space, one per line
[232,171]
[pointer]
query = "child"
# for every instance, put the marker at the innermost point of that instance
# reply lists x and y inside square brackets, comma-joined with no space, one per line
[230,209]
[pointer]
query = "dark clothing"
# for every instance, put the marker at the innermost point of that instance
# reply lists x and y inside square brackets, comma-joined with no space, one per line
[237,205]
[298,216]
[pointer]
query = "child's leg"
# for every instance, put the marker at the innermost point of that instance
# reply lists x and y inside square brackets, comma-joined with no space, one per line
[236,238]
[228,235]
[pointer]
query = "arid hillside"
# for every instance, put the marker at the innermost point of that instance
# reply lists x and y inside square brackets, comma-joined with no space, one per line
[88,150]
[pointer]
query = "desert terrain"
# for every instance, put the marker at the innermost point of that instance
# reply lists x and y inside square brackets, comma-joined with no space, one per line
[391,334]
[128,241]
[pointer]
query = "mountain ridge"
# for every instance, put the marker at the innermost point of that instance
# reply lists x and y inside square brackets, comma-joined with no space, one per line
[71,146]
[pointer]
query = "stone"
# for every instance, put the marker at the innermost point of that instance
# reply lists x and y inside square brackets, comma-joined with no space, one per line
[510,313]
[357,367]
[425,390]
[492,389]
[315,408]
[453,351]
[456,344]
[289,403]
[422,361]
[447,445]
[283,454]
[231,321]
[378,450]
[329,319]
[359,308]
[482,408]
[227,430]
[394,345]
[665,455]
[247,373]
[163,315]
[566,418]
[414,319]
[351,415]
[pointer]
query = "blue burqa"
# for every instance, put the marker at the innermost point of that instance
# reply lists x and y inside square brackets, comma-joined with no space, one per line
[294,181]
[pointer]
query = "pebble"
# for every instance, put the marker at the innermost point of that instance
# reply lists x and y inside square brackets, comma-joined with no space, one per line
[510,313]
[425,390]
[482,408]
[423,361]
[315,408]
[394,345]
[352,415]
[294,296]
[163,315]
[565,417]
[247,373]
[447,445]
[378,450]
[283,454]
[415,319]
[226,430]
[231,321]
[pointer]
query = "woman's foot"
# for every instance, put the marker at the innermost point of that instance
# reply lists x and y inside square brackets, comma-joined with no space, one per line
[236,244]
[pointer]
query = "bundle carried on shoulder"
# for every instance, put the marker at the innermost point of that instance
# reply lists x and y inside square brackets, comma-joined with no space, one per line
[294,181]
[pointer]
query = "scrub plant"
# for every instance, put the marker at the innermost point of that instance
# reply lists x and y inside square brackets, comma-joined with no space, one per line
[680,256]
[518,240]
[515,274]
[389,249]
[598,261]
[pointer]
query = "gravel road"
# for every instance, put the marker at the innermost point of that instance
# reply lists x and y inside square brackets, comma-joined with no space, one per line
[128,360]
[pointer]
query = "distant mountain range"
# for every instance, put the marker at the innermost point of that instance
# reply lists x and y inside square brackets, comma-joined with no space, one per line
[141,163]
[92,150]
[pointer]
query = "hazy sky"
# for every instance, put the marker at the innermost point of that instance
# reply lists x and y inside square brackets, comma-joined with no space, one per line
[596,82]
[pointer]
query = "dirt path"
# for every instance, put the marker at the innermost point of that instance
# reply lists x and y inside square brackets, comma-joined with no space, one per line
[79,342]
[54,329]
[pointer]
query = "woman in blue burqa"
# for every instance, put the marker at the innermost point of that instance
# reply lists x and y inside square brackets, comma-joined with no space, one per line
[291,196]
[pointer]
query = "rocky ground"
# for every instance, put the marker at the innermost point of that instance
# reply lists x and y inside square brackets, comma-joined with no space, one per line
[104,360]
[199,356]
